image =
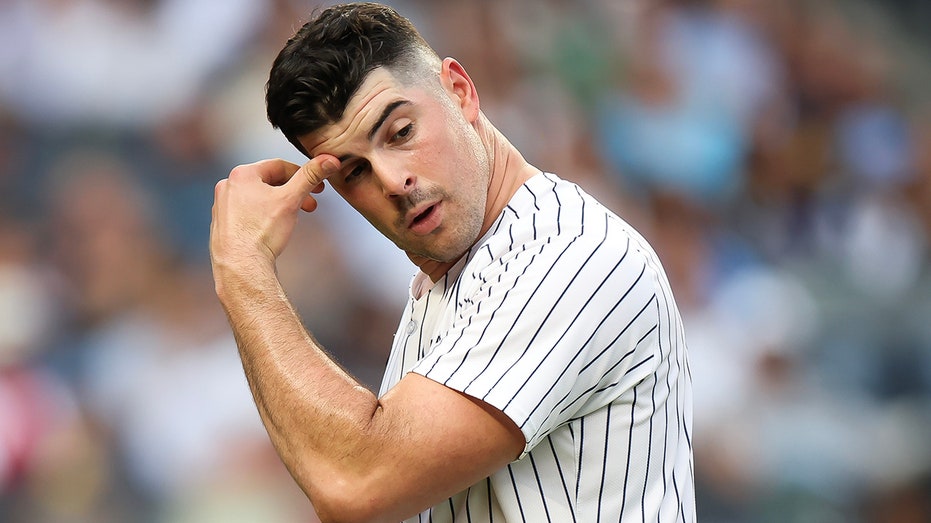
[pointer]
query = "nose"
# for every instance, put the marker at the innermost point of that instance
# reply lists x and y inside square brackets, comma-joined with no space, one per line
[395,180]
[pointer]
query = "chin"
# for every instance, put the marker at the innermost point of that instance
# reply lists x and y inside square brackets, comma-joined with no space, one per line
[438,257]
[446,248]
[442,255]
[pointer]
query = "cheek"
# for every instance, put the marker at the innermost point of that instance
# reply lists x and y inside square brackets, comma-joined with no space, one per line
[451,159]
[470,152]
[343,192]
[359,199]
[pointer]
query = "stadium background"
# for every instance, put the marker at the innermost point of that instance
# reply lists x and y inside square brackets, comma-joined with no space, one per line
[777,154]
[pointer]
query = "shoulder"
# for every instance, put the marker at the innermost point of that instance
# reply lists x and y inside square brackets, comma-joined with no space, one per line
[552,231]
[547,215]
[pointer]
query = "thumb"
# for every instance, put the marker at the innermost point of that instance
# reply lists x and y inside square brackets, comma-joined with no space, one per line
[310,176]
[309,179]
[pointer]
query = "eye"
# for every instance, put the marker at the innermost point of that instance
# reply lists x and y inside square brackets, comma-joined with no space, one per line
[356,172]
[403,133]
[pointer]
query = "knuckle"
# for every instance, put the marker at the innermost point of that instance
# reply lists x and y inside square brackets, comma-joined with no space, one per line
[239,171]
[307,173]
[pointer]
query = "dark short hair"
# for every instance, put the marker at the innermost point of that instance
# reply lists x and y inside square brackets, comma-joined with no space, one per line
[324,63]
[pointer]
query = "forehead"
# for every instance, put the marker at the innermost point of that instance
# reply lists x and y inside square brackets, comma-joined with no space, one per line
[378,90]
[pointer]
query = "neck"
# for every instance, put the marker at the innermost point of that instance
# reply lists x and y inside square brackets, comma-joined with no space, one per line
[508,172]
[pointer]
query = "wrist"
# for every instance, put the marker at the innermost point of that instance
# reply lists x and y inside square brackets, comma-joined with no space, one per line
[242,276]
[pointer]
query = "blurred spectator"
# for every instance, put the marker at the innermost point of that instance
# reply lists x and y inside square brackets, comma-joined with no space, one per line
[698,81]
[116,62]
[28,409]
[40,426]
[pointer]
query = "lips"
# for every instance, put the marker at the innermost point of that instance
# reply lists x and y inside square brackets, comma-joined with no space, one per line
[420,217]
[424,219]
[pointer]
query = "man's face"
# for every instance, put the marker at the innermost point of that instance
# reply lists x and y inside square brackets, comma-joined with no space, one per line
[411,164]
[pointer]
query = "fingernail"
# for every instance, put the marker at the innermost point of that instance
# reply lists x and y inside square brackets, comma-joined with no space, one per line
[329,166]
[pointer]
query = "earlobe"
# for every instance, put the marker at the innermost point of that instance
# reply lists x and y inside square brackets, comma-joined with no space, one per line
[457,81]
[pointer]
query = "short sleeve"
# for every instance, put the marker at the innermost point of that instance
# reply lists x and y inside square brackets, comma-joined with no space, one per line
[551,330]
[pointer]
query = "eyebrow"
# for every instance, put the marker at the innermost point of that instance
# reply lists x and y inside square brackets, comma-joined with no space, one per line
[384,116]
[386,112]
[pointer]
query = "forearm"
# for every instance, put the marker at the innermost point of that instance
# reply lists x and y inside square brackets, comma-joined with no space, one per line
[318,417]
[357,457]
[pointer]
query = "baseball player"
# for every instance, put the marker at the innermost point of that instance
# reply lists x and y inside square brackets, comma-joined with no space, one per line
[539,372]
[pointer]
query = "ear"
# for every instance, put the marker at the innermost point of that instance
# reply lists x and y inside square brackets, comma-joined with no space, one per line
[457,83]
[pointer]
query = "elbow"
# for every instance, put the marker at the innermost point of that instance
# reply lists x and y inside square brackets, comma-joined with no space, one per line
[350,501]
[355,487]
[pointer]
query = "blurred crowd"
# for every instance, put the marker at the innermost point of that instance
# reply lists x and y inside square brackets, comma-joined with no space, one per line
[776,153]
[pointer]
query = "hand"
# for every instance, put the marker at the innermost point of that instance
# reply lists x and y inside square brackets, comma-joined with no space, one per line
[255,209]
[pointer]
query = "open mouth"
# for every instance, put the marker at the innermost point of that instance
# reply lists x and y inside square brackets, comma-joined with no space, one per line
[427,220]
[424,215]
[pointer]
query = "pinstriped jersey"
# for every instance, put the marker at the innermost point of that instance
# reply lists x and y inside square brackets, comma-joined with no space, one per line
[561,316]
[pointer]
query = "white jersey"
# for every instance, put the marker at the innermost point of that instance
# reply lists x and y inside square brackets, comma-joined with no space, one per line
[561,316]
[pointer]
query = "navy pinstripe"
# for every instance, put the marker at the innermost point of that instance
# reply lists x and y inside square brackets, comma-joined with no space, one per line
[562,317]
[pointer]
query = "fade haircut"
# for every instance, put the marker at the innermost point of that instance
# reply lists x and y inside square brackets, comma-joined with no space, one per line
[322,66]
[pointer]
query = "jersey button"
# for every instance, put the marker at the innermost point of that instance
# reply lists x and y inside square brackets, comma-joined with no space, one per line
[411,327]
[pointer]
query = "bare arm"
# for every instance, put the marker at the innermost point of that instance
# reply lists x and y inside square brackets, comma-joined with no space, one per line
[357,458]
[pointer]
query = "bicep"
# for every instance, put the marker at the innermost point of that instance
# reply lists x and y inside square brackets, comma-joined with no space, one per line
[441,442]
